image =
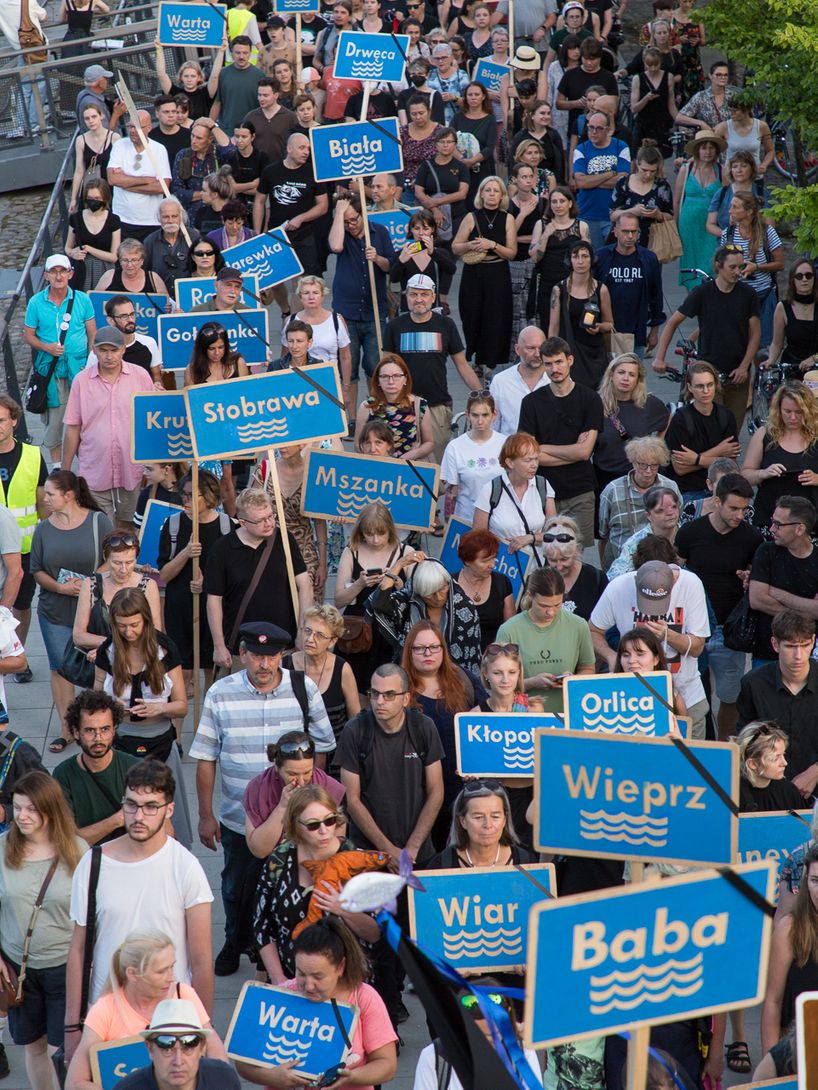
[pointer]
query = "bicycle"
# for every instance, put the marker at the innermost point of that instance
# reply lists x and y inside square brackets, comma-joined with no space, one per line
[687,350]
[784,162]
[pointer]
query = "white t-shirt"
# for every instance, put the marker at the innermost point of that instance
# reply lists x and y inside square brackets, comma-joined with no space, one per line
[687,615]
[139,209]
[10,646]
[505,520]
[149,893]
[469,465]
[326,344]
[508,390]
[426,1074]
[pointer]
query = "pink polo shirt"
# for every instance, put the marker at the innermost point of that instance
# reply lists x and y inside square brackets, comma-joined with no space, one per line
[103,412]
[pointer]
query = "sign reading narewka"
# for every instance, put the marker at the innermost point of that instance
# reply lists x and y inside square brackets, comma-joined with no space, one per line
[340,485]
[359,148]
[272,1026]
[619,703]
[478,919]
[159,428]
[633,798]
[200,25]
[270,257]
[491,744]
[276,409]
[656,952]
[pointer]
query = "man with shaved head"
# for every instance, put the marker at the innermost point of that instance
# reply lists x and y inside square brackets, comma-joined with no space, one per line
[137,191]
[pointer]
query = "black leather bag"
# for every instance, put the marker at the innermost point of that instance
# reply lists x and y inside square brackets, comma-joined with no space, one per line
[741,627]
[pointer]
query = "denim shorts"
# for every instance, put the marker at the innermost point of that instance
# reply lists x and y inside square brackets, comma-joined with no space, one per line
[56,638]
[727,667]
[42,1013]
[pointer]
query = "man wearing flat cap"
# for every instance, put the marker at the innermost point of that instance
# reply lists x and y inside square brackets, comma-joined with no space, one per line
[241,716]
[227,295]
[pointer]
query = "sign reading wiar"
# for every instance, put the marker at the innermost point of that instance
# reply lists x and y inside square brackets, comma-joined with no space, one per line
[633,798]
[478,919]
[361,147]
[276,409]
[618,703]
[657,952]
[272,1026]
[159,428]
[490,744]
[340,485]
[371,56]
[192,24]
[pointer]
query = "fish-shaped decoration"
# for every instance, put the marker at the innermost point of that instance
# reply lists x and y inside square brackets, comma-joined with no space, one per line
[338,870]
[372,892]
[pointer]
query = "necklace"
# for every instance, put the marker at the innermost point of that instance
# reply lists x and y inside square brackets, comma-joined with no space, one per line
[323,667]
[477,595]
[473,864]
[490,222]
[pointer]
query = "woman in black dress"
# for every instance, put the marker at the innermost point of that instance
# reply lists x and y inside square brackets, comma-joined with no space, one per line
[551,239]
[794,347]
[94,235]
[580,314]
[584,583]
[653,101]
[487,241]
[476,119]
[490,590]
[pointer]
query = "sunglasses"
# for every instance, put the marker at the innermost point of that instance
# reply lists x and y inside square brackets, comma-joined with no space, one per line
[302,751]
[563,539]
[473,787]
[803,276]
[502,649]
[474,394]
[119,541]
[167,1041]
[204,253]
[470,1001]
[330,822]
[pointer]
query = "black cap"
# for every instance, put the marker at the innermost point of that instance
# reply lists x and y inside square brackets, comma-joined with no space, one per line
[227,272]
[264,639]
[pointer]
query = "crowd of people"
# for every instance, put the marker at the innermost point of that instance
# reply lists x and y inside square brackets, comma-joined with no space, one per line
[326,737]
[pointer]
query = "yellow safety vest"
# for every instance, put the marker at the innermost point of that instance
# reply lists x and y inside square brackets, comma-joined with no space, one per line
[22,494]
[237,20]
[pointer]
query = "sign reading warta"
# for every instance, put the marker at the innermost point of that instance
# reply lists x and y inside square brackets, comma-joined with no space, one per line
[201,25]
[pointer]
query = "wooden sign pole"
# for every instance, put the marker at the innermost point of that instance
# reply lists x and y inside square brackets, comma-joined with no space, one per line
[272,469]
[373,287]
[197,599]
[637,1064]
[298,58]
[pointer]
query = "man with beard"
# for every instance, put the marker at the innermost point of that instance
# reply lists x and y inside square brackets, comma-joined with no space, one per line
[140,350]
[93,781]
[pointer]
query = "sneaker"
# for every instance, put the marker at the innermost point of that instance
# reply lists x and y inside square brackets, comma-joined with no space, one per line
[4,1063]
[24,676]
[227,960]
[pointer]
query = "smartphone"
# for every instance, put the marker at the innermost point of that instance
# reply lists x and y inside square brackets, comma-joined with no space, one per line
[329,1076]
[415,247]
[374,571]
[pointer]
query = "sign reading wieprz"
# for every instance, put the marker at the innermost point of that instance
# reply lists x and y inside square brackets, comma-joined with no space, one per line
[371,56]
[477,919]
[276,409]
[159,428]
[633,798]
[192,24]
[657,952]
[341,485]
[272,1026]
[358,149]
[491,744]
[247,331]
[270,256]
[619,703]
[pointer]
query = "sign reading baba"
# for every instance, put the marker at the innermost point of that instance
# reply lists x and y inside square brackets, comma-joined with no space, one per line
[111,1061]
[159,428]
[191,291]
[272,1026]
[478,919]
[657,952]
[371,56]
[269,256]
[247,331]
[396,223]
[146,309]
[192,24]
[340,485]
[491,744]
[277,409]
[619,703]
[512,565]
[633,798]
[359,148]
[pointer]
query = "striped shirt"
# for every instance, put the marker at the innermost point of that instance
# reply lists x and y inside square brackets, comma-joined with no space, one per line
[237,724]
[760,282]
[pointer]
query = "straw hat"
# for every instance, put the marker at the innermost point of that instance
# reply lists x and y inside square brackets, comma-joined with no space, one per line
[527,58]
[705,136]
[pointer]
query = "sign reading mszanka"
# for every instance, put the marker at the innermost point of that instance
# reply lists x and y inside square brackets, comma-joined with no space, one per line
[772,835]
[350,151]
[111,1061]
[192,24]
[269,256]
[276,409]
[159,428]
[147,310]
[657,952]
[489,73]
[296,7]
[478,919]
[619,703]
[491,744]
[273,1026]
[396,223]
[371,56]
[508,563]
[247,331]
[190,291]
[340,485]
[633,798]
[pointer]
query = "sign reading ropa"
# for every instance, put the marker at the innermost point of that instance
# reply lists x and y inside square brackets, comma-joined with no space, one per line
[618,703]
[633,798]
[159,428]
[657,952]
[192,24]
[492,744]
[276,409]
[371,56]
[359,148]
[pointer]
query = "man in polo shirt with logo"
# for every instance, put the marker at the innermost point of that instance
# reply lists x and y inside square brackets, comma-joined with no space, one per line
[242,714]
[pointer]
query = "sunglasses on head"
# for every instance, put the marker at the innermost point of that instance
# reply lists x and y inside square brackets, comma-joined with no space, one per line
[563,539]
[302,751]
[127,541]
[473,787]
[502,649]
[331,820]
[168,1041]
[474,394]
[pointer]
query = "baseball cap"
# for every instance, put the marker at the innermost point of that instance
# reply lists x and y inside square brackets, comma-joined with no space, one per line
[654,586]
[263,638]
[309,74]
[108,334]
[57,261]
[94,72]
[424,283]
[229,273]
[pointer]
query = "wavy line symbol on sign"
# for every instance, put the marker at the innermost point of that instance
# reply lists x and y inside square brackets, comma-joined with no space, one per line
[355,165]
[484,943]
[626,990]
[518,756]
[297,5]
[361,69]
[179,445]
[275,428]
[189,35]
[350,505]
[624,724]
[281,1049]
[599,825]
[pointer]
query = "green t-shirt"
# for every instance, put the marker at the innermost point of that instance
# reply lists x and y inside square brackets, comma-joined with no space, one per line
[560,648]
[84,791]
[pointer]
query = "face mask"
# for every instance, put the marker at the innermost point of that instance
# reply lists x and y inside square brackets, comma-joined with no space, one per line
[418,80]
[94,204]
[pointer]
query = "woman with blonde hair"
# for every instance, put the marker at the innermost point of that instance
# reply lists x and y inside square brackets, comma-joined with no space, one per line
[762,764]
[630,413]
[621,512]
[782,456]
[584,583]
[330,337]
[763,252]
[142,976]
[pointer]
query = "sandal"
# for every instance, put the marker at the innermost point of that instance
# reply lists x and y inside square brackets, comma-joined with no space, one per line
[59,744]
[738,1057]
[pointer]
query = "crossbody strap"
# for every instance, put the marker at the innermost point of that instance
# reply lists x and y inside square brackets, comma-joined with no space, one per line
[528,529]
[90,929]
[106,793]
[38,904]
[251,589]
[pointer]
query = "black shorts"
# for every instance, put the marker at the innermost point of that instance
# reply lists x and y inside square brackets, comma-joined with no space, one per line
[307,253]
[25,595]
[42,1013]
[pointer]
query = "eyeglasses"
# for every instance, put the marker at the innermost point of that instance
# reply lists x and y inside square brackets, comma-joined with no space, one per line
[204,253]
[258,522]
[427,649]
[563,539]
[803,276]
[732,248]
[502,649]
[119,541]
[330,821]
[96,732]
[167,1041]
[775,523]
[389,694]
[470,1001]
[647,465]
[131,314]
[317,635]
[392,378]
[597,128]
[474,786]
[149,809]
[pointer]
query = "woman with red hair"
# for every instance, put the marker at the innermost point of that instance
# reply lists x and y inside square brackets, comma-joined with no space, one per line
[490,590]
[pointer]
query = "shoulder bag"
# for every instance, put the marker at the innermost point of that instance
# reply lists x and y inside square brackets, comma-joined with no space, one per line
[474,257]
[664,240]
[264,560]
[35,398]
[444,231]
[741,627]
[31,37]
[11,986]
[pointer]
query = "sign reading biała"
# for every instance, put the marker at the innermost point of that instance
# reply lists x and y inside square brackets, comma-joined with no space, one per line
[618,703]
[192,290]
[491,744]
[111,1061]
[359,148]
[269,256]
[633,798]
[272,1026]
[340,485]
[247,331]
[478,919]
[192,24]
[512,565]
[276,409]
[159,428]
[656,952]
[489,73]
[371,56]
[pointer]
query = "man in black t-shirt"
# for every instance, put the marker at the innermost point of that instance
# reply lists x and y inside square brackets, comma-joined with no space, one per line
[565,419]
[140,350]
[576,81]
[719,548]
[699,433]
[250,163]
[167,131]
